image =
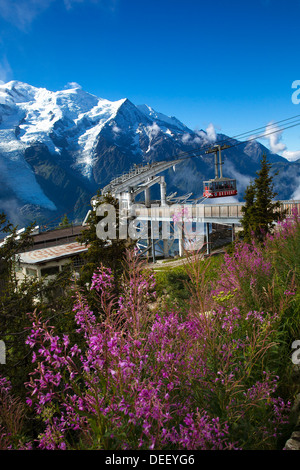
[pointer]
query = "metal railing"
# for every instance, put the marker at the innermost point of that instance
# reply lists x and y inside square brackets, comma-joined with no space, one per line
[206,211]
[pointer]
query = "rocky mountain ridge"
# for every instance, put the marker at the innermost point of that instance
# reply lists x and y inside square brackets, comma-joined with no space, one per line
[58,148]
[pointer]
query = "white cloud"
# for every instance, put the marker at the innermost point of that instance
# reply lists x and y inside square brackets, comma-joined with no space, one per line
[296,194]
[242,180]
[152,130]
[109,4]
[6,73]
[186,138]
[274,136]
[211,133]
[21,13]
[70,3]
[116,130]
[198,139]
[207,137]
[72,85]
[291,156]
[229,200]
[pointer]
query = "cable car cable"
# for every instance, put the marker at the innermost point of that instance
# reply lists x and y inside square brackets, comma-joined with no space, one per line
[207,146]
[262,127]
[185,155]
[238,143]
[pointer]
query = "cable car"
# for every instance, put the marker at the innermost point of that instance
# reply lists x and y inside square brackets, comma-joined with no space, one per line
[219,187]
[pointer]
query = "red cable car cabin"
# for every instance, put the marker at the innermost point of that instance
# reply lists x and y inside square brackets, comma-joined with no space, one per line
[219,187]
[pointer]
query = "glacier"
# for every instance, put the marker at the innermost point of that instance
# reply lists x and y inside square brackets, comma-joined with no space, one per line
[58,147]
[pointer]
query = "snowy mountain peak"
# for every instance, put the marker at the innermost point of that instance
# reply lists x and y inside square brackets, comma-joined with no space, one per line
[14,92]
[58,147]
[162,119]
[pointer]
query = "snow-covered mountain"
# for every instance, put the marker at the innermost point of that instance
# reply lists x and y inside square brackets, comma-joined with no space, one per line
[58,148]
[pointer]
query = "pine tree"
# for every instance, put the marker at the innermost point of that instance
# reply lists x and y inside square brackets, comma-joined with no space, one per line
[248,209]
[260,210]
[64,222]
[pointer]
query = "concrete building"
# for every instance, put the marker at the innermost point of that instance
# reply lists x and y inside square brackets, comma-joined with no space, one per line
[49,261]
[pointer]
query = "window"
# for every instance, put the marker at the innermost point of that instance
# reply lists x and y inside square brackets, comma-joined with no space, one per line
[77,262]
[51,271]
[31,272]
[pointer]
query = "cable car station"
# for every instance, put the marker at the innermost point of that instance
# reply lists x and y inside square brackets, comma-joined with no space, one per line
[151,213]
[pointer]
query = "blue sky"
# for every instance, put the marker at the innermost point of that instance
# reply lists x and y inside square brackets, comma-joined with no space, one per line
[229,63]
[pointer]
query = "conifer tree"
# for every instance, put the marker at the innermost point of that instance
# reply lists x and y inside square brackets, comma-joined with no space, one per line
[260,210]
[248,211]
[109,252]
[64,222]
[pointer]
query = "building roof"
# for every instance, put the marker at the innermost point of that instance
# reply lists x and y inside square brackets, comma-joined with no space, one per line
[58,233]
[52,253]
[51,237]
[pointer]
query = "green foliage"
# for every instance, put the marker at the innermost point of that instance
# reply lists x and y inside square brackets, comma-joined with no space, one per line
[283,249]
[64,222]
[249,212]
[108,252]
[53,298]
[14,243]
[172,285]
[175,284]
[16,300]
[265,277]
[260,211]
[57,300]
[250,299]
